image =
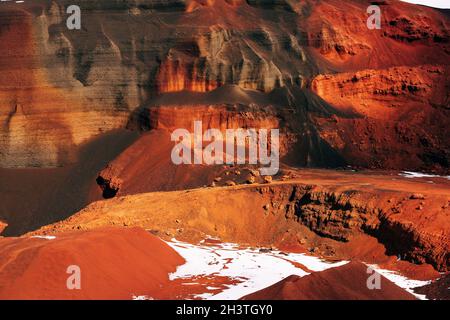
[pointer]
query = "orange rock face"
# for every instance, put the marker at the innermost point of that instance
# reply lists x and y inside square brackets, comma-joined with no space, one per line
[43,124]
[24,97]
[2,226]
[175,77]
[395,94]
[392,112]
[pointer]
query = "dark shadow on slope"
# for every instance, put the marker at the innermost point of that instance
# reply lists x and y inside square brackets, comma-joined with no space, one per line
[31,198]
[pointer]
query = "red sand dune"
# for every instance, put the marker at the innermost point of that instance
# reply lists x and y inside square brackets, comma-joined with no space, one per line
[348,282]
[115,264]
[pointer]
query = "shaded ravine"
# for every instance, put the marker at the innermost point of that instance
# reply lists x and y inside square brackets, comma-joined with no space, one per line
[34,197]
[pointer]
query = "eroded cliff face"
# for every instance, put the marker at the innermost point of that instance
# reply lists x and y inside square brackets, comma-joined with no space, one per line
[340,215]
[60,88]
[394,94]
[392,112]
[340,206]
[45,116]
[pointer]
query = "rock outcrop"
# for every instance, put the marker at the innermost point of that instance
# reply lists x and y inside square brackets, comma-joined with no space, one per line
[393,112]
[339,215]
[339,206]
[147,165]
[3,225]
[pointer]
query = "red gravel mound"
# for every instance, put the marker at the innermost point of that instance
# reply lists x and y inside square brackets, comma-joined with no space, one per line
[115,263]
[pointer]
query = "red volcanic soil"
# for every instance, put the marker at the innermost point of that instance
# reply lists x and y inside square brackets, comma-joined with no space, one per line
[348,282]
[115,263]
[146,166]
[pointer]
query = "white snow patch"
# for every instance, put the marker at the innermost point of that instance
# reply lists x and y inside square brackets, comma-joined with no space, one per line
[143,297]
[45,237]
[402,281]
[212,288]
[411,175]
[253,269]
